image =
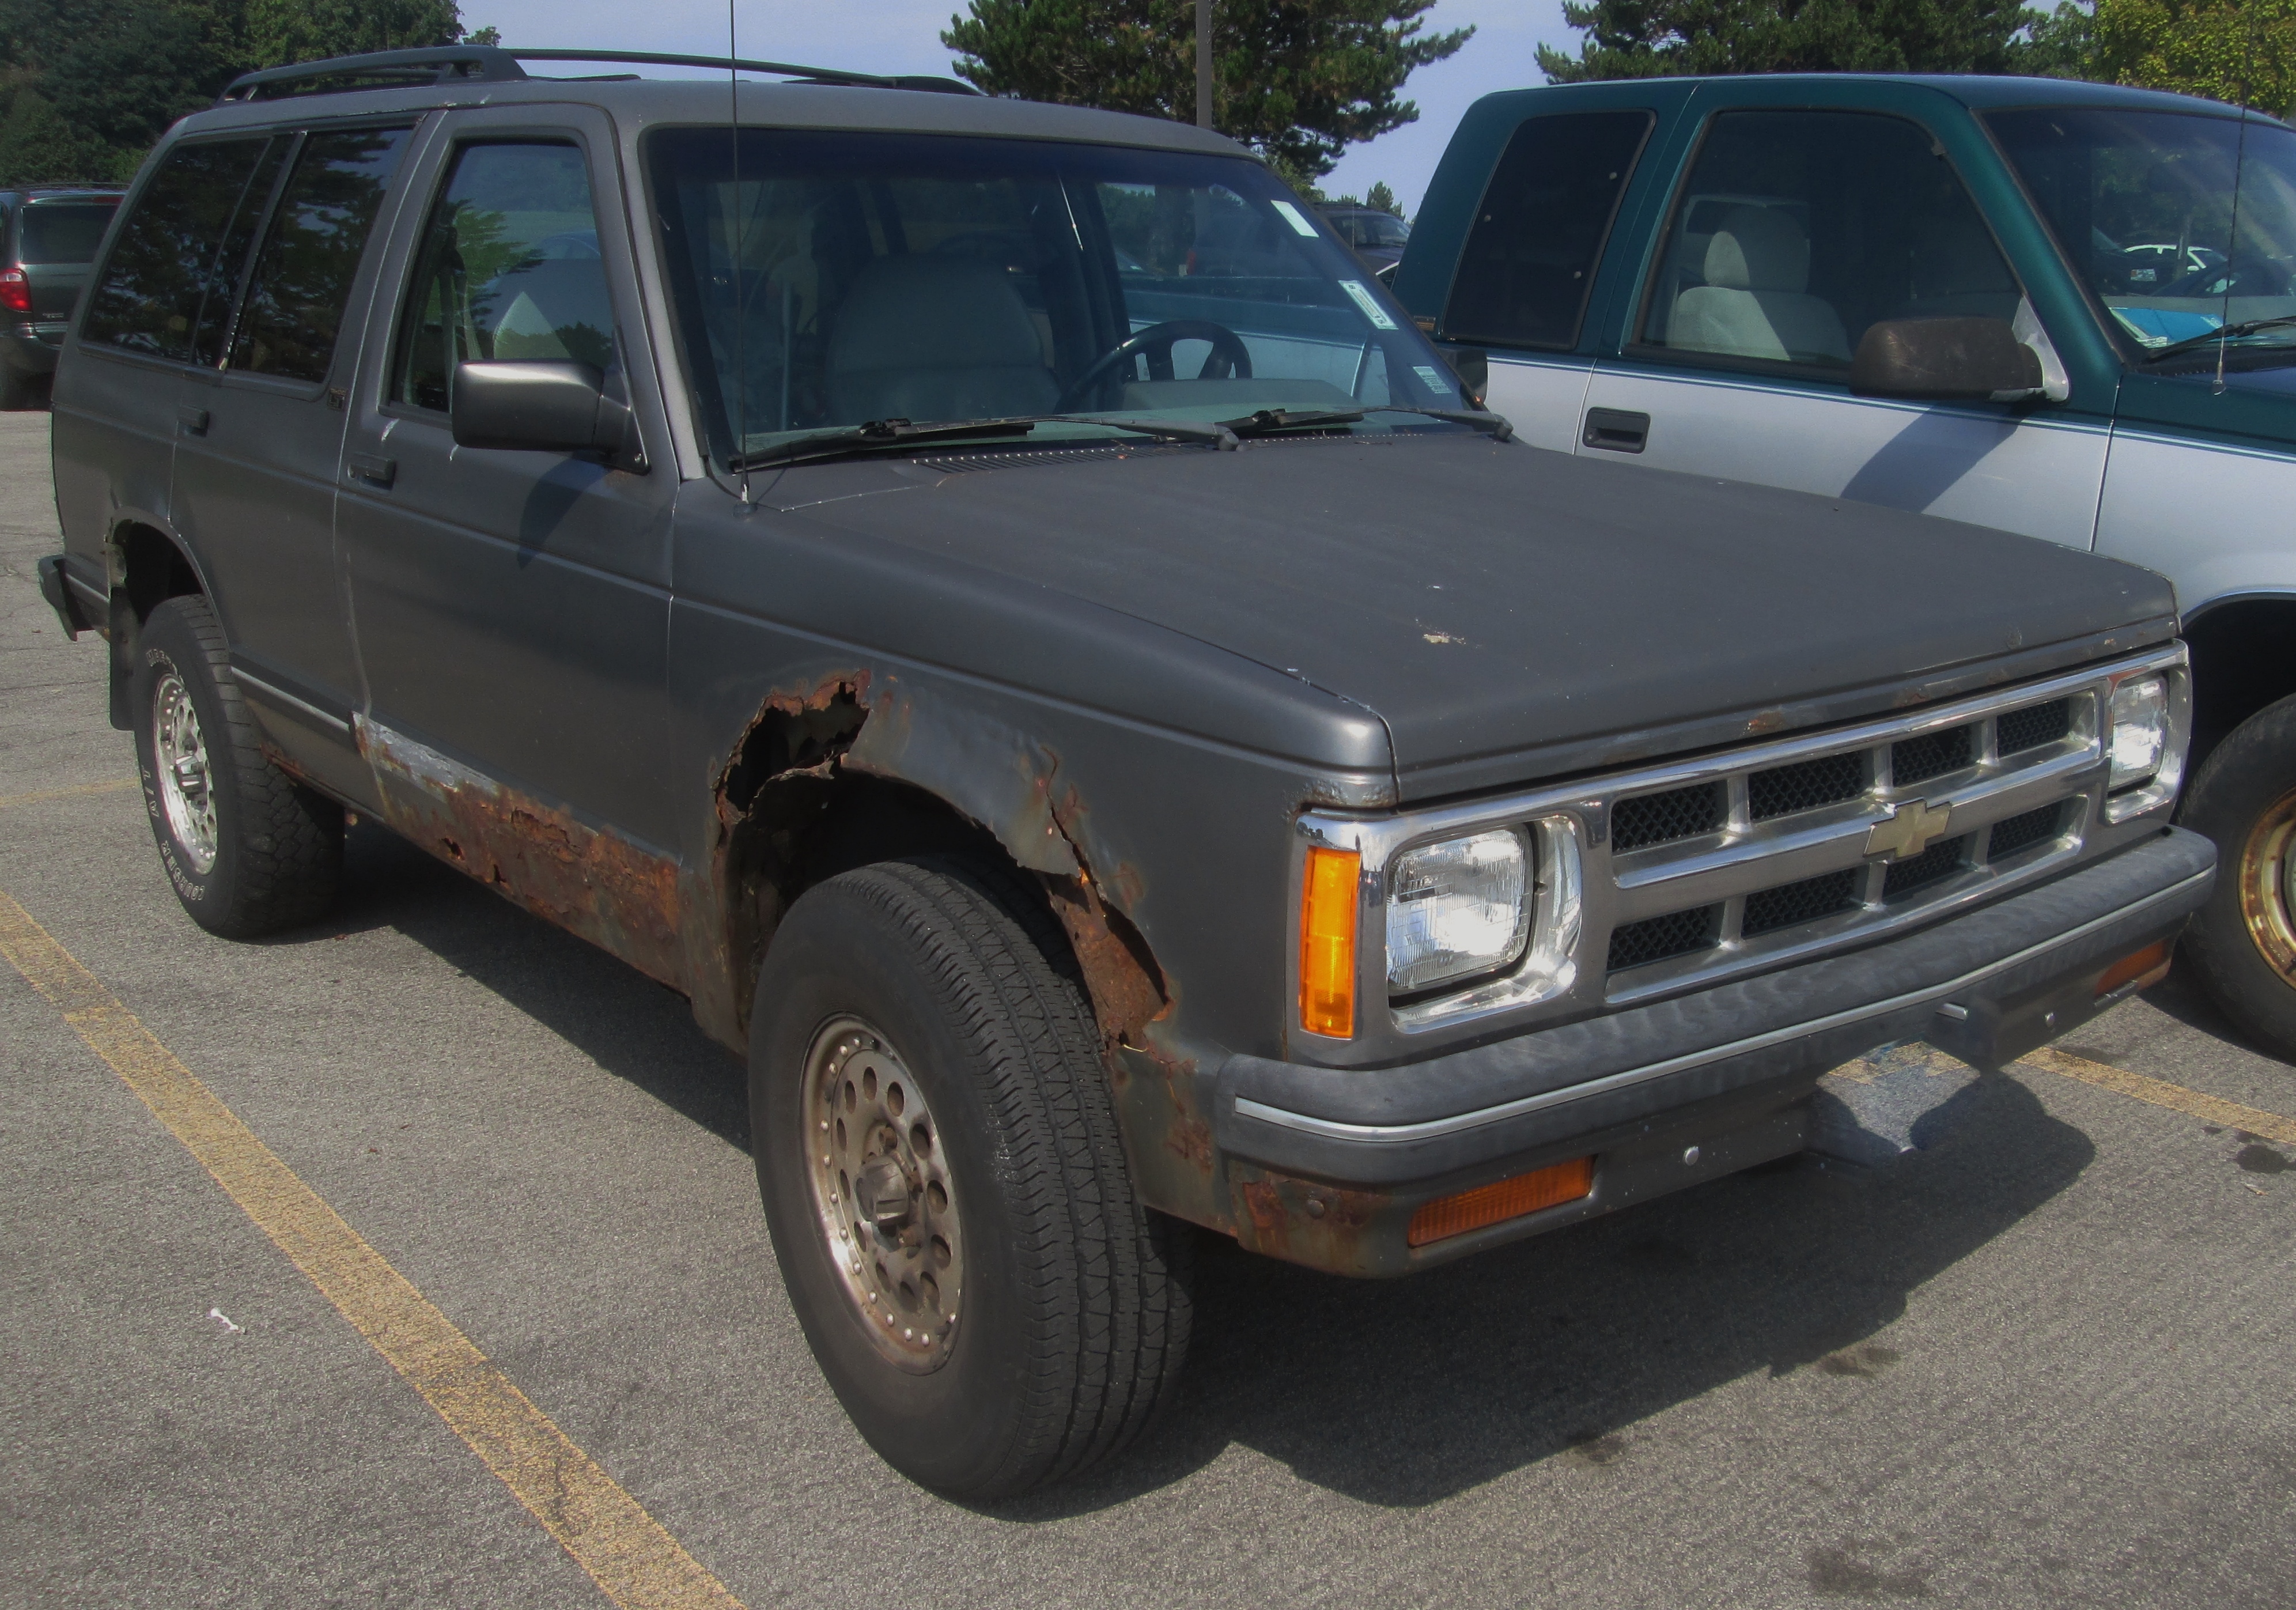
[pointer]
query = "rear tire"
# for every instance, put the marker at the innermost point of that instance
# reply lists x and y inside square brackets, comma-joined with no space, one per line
[944,995]
[2243,940]
[17,390]
[249,849]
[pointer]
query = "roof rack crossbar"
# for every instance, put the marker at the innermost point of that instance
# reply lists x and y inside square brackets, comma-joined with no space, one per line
[489,63]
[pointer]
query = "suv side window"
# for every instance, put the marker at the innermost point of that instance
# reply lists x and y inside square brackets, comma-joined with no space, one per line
[302,280]
[1529,259]
[173,256]
[1796,230]
[509,268]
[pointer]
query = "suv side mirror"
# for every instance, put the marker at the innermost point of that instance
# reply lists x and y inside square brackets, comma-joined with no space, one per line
[546,408]
[1472,365]
[1970,359]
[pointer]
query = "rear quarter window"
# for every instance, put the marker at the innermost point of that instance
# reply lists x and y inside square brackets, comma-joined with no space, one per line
[1531,253]
[62,232]
[170,261]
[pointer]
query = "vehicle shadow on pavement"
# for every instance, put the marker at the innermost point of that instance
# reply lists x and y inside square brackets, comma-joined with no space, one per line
[1398,1392]
[1407,1392]
[637,1030]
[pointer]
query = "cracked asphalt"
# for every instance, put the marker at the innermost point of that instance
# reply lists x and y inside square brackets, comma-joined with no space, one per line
[2046,1362]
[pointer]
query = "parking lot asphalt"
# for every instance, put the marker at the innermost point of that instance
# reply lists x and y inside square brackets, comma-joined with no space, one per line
[2046,1362]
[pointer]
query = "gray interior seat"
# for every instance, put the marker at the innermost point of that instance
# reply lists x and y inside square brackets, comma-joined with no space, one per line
[936,338]
[1756,301]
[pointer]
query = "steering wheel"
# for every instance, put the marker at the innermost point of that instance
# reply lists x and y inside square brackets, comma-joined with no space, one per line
[1228,357]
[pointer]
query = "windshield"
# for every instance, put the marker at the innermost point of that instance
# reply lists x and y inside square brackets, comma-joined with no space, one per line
[2181,223]
[62,232]
[856,277]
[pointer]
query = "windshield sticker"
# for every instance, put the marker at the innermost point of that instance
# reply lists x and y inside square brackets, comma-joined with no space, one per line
[2158,326]
[1430,379]
[1372,311]
[1291,216]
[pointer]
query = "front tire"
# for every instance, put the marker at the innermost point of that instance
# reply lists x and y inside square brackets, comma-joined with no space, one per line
[945,1184]
[249,849]
[2244,939]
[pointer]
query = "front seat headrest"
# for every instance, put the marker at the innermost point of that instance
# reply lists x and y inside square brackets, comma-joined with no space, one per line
[1758,249]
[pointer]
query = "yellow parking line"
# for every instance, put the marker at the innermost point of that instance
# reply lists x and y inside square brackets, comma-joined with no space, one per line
[627,1551]
[2270,1126]
[38,795]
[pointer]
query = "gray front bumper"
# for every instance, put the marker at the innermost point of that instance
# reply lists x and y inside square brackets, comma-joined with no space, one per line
[2021,970]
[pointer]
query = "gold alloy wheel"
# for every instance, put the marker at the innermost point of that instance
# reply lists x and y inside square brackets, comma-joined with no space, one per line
[882,1195]
[179,754]
[2268,885]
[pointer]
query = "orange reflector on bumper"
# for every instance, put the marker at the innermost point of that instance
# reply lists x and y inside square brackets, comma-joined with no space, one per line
[1508,1199]
[2147,967]
[1327,942]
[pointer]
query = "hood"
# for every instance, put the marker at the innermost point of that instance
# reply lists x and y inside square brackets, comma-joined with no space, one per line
[1508,612]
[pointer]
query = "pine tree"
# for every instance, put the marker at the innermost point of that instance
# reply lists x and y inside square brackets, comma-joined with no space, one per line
[1380,198]
[1297,79]
[1651,38]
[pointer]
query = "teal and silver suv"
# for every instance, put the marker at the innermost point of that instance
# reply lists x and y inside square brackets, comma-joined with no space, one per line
[2064,309]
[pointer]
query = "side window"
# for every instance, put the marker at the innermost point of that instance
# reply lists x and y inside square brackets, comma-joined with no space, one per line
[508,268]
[302,279]
[1797,230]
[171,258]
[1530,255]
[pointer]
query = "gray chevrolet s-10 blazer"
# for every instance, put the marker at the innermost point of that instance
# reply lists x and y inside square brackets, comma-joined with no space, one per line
[994,604]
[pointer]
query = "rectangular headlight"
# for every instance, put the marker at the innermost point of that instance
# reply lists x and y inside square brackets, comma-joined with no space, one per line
[1456,909]
[2139,735]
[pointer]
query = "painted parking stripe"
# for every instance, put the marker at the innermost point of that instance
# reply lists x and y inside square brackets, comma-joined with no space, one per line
[116,786]
[2231,1114]
[626,1552]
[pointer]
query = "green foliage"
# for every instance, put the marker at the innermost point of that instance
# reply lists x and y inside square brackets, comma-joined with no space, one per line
[1380,198]
[1298,81]
[2240,50]
[1652,38]
[87,85]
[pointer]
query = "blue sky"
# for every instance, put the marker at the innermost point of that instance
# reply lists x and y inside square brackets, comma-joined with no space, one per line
[904,36]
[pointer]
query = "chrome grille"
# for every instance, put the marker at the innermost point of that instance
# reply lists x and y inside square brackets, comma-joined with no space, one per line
[1783,790]
[1939,861]
[2023,831]
[2035,725]
[1676,876]
[1664,818]
[1771,910]
[1931,755]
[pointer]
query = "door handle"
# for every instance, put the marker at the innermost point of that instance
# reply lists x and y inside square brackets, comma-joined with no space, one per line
[1616,431]
[374,468]
[193,421]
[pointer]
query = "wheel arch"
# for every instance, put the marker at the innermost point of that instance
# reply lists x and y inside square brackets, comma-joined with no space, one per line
[2240,663]
[144,566]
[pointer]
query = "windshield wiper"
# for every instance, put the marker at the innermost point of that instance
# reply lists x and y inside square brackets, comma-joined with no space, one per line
[899,432]
[1266,422]
[2228,333]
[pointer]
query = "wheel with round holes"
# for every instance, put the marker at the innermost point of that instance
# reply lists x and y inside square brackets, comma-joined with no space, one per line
[945,1184]
[2244,938]
[248,849]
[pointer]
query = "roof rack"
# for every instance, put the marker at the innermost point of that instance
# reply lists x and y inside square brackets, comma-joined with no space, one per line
[492,64]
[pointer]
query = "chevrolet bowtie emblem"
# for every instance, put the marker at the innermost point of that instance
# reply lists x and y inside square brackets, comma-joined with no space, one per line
[1906,831]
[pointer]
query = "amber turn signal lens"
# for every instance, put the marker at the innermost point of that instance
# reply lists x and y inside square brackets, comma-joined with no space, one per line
[2145,969]
[1545,1188]
[1327,942]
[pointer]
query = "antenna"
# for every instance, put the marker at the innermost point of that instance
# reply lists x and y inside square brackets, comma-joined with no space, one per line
[741,233]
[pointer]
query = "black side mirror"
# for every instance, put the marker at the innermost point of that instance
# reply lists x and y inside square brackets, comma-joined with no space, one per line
[1969,359]
[546,408]
[1472,365]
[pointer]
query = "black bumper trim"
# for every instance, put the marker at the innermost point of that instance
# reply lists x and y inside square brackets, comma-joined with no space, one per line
[1532,1091]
